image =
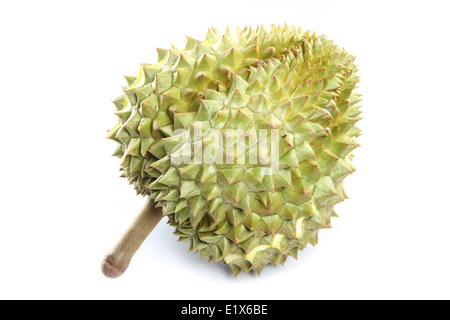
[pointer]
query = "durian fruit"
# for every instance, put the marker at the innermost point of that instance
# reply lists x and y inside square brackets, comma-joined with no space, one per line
[297,86]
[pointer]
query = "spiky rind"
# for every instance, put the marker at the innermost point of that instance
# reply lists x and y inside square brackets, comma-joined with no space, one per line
[278,78]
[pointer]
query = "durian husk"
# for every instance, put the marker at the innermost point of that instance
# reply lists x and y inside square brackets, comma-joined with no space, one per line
[278,77]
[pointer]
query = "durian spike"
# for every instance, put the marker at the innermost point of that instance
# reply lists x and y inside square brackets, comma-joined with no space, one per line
[118,258]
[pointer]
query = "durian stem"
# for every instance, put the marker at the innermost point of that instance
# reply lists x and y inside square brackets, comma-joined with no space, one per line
[118,258]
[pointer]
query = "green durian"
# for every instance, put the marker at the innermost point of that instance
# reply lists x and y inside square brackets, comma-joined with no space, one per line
[294,84]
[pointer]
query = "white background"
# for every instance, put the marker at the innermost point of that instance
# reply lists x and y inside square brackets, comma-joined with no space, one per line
[63,204]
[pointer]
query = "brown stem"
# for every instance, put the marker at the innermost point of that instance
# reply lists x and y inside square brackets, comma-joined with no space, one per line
[118,258]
